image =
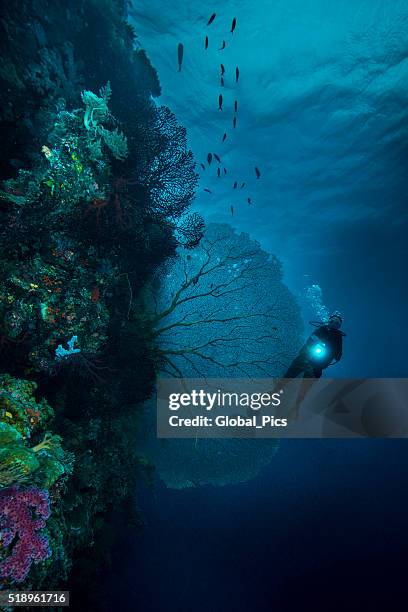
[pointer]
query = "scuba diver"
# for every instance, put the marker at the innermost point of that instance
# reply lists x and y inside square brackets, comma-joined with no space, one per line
[323,348]
[320,349]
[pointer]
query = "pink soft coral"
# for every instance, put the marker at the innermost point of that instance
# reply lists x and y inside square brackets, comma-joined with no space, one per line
[23,513]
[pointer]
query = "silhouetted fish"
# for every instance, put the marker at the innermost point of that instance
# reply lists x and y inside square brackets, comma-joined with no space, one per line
[209,158]
[222,70]
[236,74]
[207,190]
[211,19]
[203,167]
[232,210]
[249,201]
[236,106]
[224,138]
[235,185]
[258,174]
[234,23]
[243,185]
[180,53]
[222,82]
[220,102]
[234,122]
[217,157]
[206,42]
[223,46]
[225,171]
[218,172]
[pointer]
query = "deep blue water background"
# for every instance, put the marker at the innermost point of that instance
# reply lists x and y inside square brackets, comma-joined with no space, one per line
[323,112]
[322,528]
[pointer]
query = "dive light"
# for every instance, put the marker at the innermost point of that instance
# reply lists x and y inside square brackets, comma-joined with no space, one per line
[318,350]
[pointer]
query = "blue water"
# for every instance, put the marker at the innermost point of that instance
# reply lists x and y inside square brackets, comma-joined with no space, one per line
[323,528]
[323,102]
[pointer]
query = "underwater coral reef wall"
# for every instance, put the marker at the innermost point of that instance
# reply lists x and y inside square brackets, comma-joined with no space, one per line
[96,183]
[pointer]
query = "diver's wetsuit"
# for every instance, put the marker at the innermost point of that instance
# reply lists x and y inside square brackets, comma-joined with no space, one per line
[304,363]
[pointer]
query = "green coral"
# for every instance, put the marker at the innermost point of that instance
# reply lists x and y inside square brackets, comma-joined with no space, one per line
[9,435]
[19,407]
[97,112]
[74,168]
[115,141]
[96,108]
[16,464]
[43,463]
[53,461]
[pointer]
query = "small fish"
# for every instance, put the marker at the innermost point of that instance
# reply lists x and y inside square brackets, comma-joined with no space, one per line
[224,138]
[258,174]
[249,201]
[206,42]
[243,185]
[180,53]
[236,74]
[222,82]
[222,70]
[233,25]
[218,172]
[209,158]
[211,19]
[225,171]
[223,46]
[203,167]
[207,190]
[217,157]
[232,210]
[235,185]
[234,122]
[220,102]
[236,106]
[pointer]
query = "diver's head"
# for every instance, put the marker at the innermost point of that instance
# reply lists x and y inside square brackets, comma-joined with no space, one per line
[335,320]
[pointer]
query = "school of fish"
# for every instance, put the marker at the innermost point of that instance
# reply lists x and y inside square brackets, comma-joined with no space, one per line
[211,156]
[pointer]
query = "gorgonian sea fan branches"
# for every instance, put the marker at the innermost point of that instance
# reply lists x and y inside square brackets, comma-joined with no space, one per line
[23,514]
[223,310]
[190,230]
[165,166]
